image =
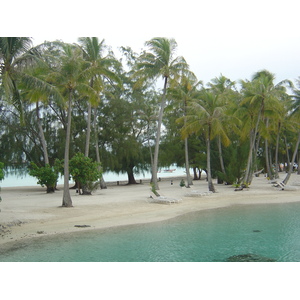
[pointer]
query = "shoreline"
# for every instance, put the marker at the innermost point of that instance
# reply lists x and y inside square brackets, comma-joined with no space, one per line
[28,212]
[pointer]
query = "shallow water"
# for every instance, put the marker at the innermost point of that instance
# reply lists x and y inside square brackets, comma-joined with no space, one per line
[207,236]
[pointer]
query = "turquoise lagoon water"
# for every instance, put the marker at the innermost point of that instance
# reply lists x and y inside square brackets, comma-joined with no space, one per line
[12,179]
[207,236]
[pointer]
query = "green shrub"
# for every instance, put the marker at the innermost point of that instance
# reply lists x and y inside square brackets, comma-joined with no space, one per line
[85,172]
[182,183]
[47,176]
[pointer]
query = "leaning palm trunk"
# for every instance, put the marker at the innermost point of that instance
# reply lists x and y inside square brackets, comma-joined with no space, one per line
[249,169]
[67,201]
[42,136]
[87,143]
[268,164]
[88,130]
[187,167]
[221,155]
[276,153]
[102,181]
[268,159]
[156,149]
[209,178]
[286,179]
[186,151]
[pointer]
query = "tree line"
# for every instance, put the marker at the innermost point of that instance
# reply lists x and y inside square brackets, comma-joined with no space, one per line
[76,109]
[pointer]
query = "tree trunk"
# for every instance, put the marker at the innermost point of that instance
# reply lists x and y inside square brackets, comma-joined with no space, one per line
[276,152]
[268,161]
[209,178]
[221,155]
[42,136]
[50,189]
[186,152]
[67,201]
[287,155]
[249,168]
[151,159]
[200,173]
[131,179]
[195,173]
[187,166]
[156,150]
[269,170]
[286,179]
[102,181]
[88,131]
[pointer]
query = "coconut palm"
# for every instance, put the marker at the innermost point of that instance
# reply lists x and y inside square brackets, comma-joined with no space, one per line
[258,95]
[295,116]
[225,89]
[99,68]
[185,91]
[160,62]
[206,115]
[69,78]
[14,56]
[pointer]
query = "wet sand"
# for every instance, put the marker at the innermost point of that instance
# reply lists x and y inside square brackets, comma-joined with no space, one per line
[28,212]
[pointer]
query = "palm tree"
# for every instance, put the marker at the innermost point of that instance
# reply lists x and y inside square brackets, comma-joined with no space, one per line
[158,62]
[69,78]
[258,95]
[14,56]
[36,90]
[225,89]
[295,116]
[185,91]
[99,69]
[206,115]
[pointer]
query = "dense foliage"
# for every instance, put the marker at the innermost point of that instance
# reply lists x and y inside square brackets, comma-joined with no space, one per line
[1,171]
[58,99]
[1,176]
[46,175]
[85,173]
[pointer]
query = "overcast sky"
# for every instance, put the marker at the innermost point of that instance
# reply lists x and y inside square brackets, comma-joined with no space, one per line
[232,37]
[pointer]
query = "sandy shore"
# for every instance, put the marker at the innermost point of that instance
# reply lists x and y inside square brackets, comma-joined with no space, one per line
[28,212]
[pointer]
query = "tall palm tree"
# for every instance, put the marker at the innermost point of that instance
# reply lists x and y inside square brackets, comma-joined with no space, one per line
[207,114]
[69,78]
[37,90]
[99,68]
[185,91]
[100,71]
[225,89]
[258,94]
[295,116]
[160,62]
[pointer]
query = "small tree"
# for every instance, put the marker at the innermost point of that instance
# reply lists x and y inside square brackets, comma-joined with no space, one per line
[47,176]
[85,172]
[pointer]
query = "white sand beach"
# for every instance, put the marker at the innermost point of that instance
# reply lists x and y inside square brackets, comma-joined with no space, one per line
[28,212]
